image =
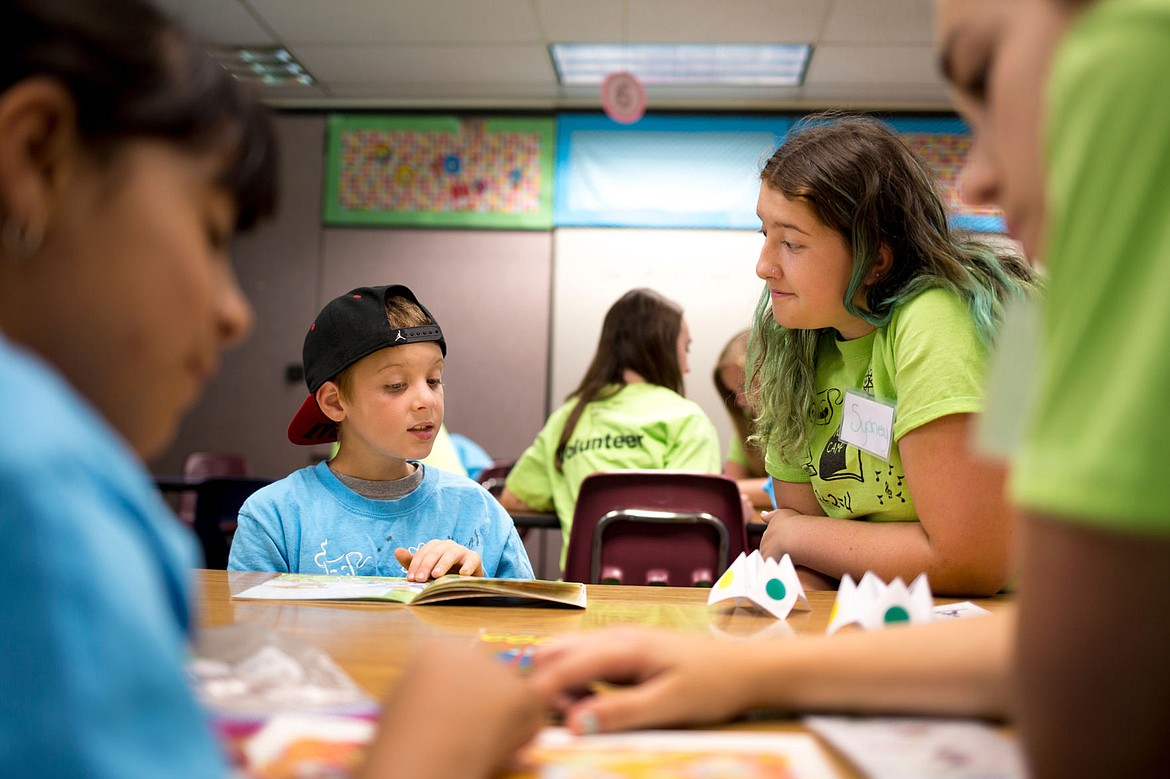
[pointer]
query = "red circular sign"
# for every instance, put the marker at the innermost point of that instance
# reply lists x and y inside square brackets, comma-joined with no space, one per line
[623,97]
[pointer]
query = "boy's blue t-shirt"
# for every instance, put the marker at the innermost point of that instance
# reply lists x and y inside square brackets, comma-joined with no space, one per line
[93,599]
[309,522]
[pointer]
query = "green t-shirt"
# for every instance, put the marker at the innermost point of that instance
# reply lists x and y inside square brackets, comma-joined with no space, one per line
[1096,447]
[735,451]
[928,362]
[643,426]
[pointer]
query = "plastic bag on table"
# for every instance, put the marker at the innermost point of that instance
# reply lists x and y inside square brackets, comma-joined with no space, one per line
[261,687]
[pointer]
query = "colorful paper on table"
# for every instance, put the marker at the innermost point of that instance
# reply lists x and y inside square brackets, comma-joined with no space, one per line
[769,585]
[513,649]
[472,589]
[672,755]
[872,604]
[915,748]
[296,746]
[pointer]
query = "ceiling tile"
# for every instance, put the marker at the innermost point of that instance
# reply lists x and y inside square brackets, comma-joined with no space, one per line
[889,95]
[401,21]
[224,22]
[574,21]
[864,65]
[477,53]
[728,21]
[888,21]
[427,64]
[467,95]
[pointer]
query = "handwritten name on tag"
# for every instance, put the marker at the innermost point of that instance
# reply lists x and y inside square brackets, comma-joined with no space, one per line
[868,424]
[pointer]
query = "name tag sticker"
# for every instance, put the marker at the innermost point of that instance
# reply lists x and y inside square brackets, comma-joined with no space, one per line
[868,424]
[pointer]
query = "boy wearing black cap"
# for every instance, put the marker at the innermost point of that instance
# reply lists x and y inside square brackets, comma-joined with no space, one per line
[374,367]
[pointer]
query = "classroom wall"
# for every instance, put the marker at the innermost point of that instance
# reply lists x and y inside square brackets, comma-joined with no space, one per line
[522,311]
[711,273]
[247,407]
[490,291]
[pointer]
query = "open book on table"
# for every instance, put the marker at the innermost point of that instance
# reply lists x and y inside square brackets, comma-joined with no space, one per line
[468,589]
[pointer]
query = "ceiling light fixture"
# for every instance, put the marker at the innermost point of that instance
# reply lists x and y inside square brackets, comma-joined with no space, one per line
[690,63]
[265,65]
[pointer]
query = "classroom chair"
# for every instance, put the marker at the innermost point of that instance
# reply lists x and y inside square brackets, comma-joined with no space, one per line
[203,465]
[217,508]
[493,476]
[670,528]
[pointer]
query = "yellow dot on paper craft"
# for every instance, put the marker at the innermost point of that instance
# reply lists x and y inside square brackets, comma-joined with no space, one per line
[833,613]
[726,579]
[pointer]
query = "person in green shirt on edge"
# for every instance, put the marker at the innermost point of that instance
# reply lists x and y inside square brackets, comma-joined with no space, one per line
[627,413]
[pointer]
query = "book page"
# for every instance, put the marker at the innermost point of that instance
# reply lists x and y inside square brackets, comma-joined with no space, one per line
[687,753]
[300,586]
[922,748]
[324,587]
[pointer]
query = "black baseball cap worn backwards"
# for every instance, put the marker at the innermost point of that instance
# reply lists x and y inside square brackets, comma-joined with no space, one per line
[349,328]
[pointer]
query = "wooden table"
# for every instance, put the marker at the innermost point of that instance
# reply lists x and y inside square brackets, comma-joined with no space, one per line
[371,642]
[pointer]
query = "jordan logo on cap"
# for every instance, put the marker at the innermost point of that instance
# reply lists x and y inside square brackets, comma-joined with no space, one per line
[399,337]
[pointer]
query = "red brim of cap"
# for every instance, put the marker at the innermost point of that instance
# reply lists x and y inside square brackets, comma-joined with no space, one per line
[311,426]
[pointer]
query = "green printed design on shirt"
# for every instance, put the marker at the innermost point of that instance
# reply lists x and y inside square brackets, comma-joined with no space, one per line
[609,441]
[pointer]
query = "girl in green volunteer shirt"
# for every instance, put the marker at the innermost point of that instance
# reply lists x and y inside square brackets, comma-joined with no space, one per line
[869,348]
[627,413]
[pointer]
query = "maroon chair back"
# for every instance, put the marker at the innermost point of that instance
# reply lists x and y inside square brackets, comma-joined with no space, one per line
[673,528]
[206,465]
[492,477]
[217,510]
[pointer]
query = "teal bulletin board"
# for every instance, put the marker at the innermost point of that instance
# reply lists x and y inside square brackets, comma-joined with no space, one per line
[440,171]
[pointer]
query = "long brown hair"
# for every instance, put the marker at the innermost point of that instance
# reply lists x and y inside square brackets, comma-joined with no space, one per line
[640,333]
[734,355]
[858,178]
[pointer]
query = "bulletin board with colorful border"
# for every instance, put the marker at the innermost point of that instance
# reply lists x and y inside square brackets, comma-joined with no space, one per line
[943,143]
[440,171]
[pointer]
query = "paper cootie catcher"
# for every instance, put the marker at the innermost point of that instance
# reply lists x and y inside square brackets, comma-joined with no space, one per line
[872,604]
[770,585]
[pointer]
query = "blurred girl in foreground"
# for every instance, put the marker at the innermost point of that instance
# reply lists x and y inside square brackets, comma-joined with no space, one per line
[128,161]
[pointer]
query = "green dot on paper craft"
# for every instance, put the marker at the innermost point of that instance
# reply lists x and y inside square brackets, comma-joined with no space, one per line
[775,589]
[726,579]
[897,614]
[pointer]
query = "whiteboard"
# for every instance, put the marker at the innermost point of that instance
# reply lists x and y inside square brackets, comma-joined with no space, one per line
[710,273]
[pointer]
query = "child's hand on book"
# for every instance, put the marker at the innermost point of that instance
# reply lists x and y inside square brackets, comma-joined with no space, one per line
[437,558]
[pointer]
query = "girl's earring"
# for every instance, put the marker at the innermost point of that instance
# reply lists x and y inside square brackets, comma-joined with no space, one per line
[22,239]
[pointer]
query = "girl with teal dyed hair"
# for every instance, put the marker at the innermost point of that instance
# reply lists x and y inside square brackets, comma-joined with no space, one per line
[869,351]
